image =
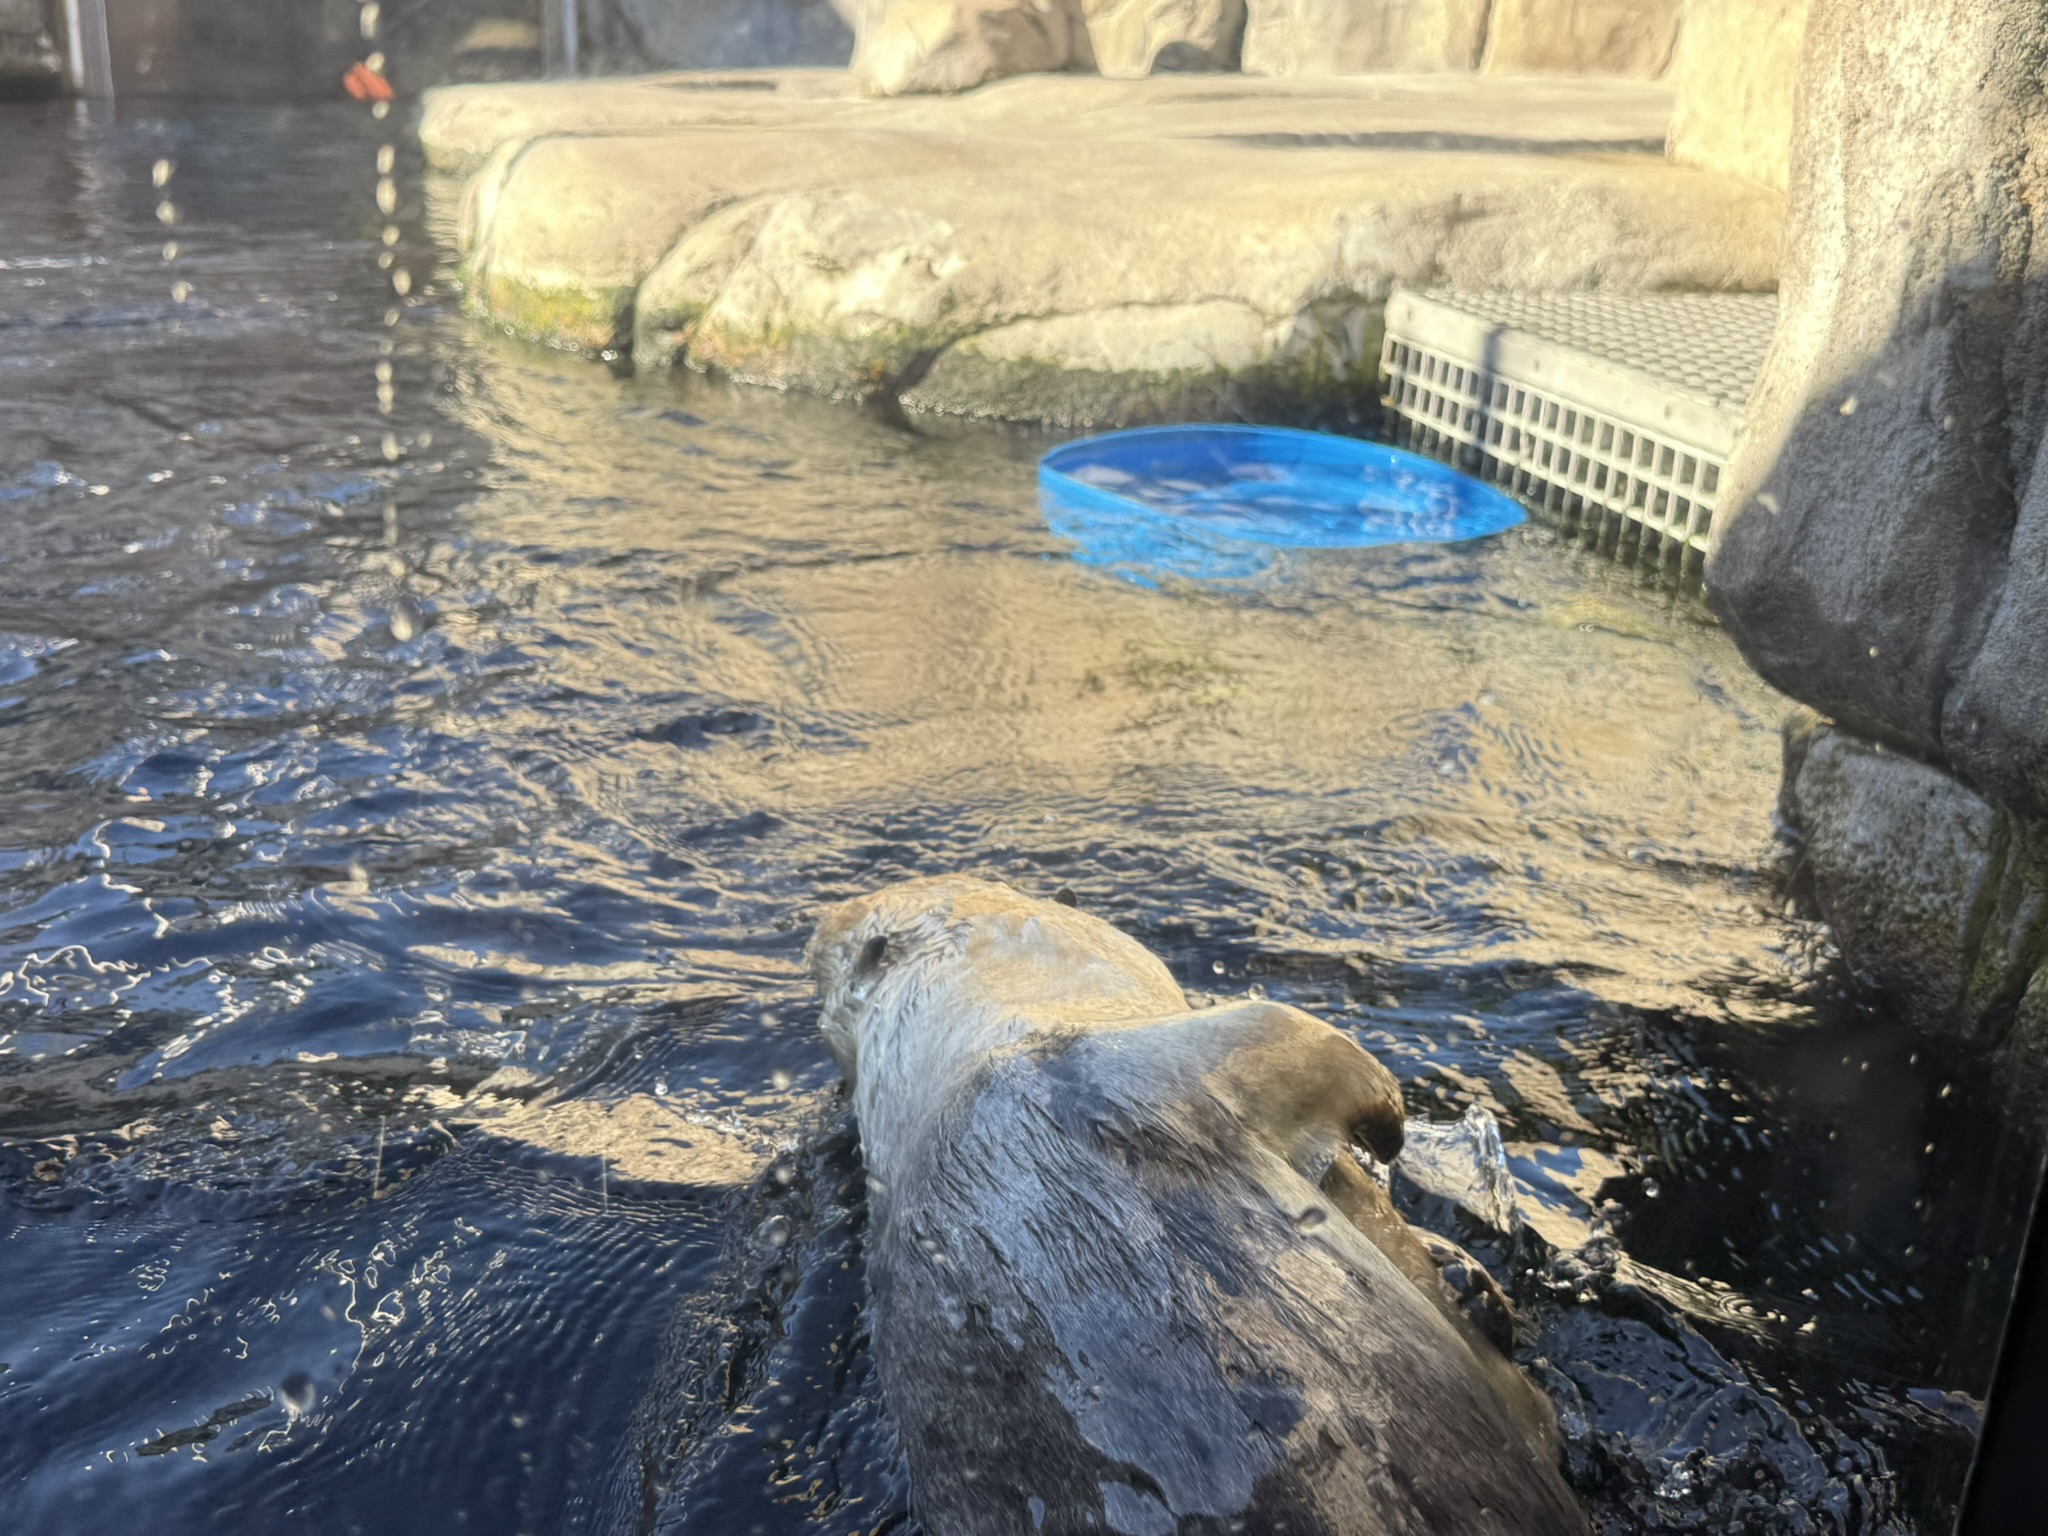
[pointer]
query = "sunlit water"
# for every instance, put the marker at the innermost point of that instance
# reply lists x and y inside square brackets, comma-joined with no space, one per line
[411,1117]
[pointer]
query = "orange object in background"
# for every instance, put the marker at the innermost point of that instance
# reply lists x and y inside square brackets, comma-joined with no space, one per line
[365,84]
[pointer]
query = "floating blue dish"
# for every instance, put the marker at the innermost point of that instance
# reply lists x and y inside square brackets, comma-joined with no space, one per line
[1213,503]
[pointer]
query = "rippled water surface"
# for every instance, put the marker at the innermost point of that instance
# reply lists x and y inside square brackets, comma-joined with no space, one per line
[411,1118]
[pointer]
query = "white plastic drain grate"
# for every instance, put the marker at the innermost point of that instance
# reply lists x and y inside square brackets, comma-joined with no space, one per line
[1611,413]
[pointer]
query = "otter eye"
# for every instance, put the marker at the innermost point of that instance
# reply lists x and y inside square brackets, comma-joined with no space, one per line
[874,952]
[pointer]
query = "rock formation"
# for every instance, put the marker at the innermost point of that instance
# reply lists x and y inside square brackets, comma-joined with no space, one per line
[951,45]
[1938,893]
[1883,547]
[1132,38]
[1736,70]
[954,45]
[1582,37]
[1346,37]
[1064,248]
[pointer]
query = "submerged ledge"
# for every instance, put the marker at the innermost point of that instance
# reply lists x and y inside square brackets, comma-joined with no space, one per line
[1065,248]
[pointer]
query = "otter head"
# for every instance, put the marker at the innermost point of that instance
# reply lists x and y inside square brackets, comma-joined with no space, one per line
[951,965]
[868,953]
[847,957]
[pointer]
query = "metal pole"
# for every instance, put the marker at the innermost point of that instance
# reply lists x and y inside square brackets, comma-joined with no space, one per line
[90,58]
[569,38]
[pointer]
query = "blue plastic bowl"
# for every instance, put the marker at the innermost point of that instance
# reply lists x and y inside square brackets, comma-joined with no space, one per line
[1215,502]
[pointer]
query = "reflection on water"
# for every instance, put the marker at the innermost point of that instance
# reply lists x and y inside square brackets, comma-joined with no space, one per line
[410,1112]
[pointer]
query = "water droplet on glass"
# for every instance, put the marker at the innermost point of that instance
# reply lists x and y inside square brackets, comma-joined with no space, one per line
[167,212]
[367,18]
[380,109]
[387,157]
[1217,966]
[1651,1189]
[181,291]
[391,234]
[1310,1219]
[661,1087]
[779,1080]
[774,1231]
[387,197]
[402,281]
[391,447]
[160,173]
[170,250]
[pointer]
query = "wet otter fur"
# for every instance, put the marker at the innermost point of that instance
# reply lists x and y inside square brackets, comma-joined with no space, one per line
[1125,1275]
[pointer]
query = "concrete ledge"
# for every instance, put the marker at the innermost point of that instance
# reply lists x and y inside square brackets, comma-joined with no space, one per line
[1065,248]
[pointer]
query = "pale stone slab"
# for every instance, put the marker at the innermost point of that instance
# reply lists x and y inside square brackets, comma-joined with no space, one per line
[1086,250]
[1350,37]
[1131,363]
[1582,37]
[1736,72]
[462,125]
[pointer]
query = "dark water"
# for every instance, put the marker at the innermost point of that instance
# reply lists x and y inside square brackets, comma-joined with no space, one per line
[410,1113]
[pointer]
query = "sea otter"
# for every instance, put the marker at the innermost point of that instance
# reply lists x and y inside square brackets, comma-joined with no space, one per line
[1125,1274]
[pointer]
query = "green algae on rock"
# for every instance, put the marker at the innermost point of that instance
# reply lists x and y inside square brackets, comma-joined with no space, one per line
[1071,249]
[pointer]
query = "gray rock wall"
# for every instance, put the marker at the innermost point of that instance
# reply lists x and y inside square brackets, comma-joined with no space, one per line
[1882,553]
[1938,893]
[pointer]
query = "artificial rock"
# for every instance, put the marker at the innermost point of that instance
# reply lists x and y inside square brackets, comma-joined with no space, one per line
[1938,893]
[953,45]
[1582,37]
[1132,38]
[1347,37]
[1737,73]
[1882,552]
[930,249]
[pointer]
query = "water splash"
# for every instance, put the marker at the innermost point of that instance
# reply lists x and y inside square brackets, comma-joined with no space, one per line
[1464,1164]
